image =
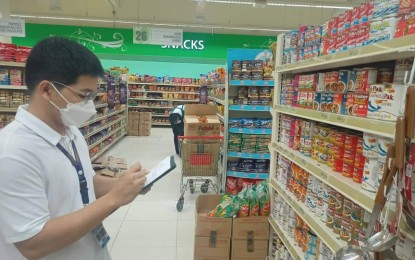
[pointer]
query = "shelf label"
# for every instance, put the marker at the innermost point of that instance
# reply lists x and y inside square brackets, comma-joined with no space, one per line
[323,175]
[324,116]
[341,119]
[304,162]
[266,82]
[327,57]
[354,52]
[254,83]
[242,82]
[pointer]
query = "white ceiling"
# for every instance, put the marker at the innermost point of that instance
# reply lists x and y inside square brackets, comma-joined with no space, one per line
[179,12]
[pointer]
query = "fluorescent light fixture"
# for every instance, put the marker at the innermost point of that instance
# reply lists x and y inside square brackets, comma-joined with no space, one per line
[310,5]
[99,20]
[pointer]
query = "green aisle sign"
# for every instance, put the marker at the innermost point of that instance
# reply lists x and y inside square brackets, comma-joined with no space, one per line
[118,43]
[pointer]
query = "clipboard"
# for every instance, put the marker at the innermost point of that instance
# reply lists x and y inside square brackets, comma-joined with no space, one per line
[159,171]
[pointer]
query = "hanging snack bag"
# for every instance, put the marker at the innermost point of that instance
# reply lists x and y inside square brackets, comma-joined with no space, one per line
[243,203]
[264,203]
[253,202]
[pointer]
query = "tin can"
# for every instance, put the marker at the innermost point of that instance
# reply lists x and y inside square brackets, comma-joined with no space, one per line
[350,141]
[349,156]
[358,175]
[339,203]
[337,165]
[324,192]
[364,78]
[370,144]
[359,161]
[329,217]
[337,222]
[385,75]
[356,216]
[370,173]
[346,230]
[347,208]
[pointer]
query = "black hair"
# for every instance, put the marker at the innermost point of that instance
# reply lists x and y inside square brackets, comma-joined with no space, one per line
[61,60]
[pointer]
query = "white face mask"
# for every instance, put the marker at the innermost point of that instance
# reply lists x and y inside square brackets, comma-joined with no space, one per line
[75,114]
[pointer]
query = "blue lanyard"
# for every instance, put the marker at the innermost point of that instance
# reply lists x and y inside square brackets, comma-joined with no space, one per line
[76,162]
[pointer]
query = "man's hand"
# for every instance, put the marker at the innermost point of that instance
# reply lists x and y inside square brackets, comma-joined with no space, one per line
[129,185]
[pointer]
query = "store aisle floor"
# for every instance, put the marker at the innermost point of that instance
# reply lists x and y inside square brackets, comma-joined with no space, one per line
[150,228]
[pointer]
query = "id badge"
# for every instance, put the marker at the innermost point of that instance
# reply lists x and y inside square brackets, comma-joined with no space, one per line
[101,235]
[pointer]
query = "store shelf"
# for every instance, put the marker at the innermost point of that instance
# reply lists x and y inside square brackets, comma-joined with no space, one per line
[162,99]
[101,105]
[367,125]
[288,242]
[159,115]
[258,83]
[402,47]
[250,131]
[247,175]
[105,137]
[148,107]
[12,64]
[217,100]
[250,155]
[160,124]
[221,118]
[107,147]
[342,184]
[8,109]
[324,233]
[249,108]
[217,86]
[103,117]
[157,91]
[12,87]
[163,84]
[105,127]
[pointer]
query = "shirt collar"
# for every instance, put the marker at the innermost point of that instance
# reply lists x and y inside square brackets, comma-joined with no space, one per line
[39,127]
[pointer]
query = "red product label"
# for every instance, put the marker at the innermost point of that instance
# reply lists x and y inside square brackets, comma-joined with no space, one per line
[359,146]
[364,78]
[410,19]
[359,160]
[358,175]
[338,151]
[360,106]
[334,27]
[401,26]
[352,38]
[337,165]
[349,156]
[362,35]
[339,138]
[355,19]
[351,141]
[341,24]
[341,42]
[338,104]
[348,169]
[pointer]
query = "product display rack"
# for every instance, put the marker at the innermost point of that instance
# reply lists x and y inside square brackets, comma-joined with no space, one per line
[288,241]
[172,102]
[384,51]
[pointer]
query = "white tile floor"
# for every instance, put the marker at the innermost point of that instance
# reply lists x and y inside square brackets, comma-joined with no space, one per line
[151,227]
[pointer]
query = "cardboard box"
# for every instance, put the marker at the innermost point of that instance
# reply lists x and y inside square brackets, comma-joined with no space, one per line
[256,227]
[206,226]
[249,249]
[194,127]
[212,249]
[110,166]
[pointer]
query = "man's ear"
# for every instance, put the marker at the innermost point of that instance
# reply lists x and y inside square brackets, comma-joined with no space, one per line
[45,89]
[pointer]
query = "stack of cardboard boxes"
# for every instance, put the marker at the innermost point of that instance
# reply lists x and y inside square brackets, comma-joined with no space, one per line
[110,166]
[226,238]
[139,123]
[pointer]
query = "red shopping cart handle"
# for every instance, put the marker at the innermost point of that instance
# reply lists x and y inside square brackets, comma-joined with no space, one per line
[216,137]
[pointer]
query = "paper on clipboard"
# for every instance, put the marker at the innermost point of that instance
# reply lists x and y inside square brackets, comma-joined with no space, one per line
[161,169]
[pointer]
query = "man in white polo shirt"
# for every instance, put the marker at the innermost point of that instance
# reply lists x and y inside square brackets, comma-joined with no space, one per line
[51,202]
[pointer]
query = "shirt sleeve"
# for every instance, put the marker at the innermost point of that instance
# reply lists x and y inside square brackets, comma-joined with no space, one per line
[23,201]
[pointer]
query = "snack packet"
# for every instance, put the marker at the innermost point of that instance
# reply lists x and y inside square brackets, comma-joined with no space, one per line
[244,203]
[263,196]
[253,202]
[224,202]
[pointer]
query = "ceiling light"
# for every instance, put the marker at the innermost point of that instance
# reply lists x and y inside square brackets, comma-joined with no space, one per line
[260,3]
[112,21]
[282,4]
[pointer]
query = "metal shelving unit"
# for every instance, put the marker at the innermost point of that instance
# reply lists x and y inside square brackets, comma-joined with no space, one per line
[384,51]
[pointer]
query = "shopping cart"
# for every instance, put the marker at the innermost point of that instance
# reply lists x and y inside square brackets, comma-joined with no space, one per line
[201,160]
